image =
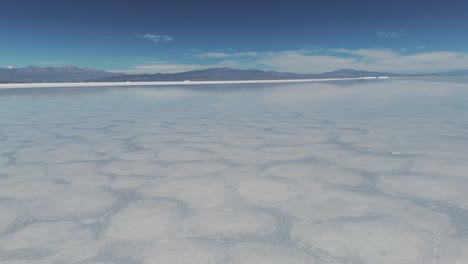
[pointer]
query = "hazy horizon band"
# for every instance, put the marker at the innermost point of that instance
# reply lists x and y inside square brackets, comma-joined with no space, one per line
[101,84]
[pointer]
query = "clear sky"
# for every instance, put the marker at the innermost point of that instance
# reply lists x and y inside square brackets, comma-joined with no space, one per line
[300,36]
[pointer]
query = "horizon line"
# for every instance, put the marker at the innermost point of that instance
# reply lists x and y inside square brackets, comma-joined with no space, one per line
[224,67]
[4,86]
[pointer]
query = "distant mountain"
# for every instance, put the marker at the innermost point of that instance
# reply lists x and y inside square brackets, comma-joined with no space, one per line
[78,74]
[224,74]
[350,73]
[211,74]
[456,73]
[51,74]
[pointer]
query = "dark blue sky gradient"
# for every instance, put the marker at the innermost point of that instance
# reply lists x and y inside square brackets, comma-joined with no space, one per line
[106,34]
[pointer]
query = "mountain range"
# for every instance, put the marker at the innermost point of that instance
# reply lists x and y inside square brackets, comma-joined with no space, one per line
[51,74]
[79,74]
[224,74]
[456,73]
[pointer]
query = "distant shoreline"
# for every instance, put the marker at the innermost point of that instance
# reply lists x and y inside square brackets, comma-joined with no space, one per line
[164,83]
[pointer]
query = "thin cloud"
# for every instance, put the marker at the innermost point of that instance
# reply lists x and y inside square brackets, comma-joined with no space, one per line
[367,53]
[386,60]
[167,67]
[48,62]
[212,55]
[309,61]
[217,55]
[391,34]
[157,38]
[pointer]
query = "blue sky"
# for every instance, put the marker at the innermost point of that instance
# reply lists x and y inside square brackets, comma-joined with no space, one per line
[300,36]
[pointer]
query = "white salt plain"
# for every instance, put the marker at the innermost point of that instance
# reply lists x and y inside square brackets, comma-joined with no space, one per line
[345,172]
[170,83]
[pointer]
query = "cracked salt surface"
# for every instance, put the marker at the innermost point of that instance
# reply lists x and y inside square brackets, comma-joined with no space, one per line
[359,172]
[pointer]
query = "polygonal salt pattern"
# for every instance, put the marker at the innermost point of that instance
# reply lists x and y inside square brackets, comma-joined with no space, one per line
[359,172]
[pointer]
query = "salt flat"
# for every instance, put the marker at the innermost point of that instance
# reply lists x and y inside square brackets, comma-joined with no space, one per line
[166,83]
[343,172]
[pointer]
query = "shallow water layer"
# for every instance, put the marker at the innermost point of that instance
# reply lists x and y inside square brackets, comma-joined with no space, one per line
[355,172]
